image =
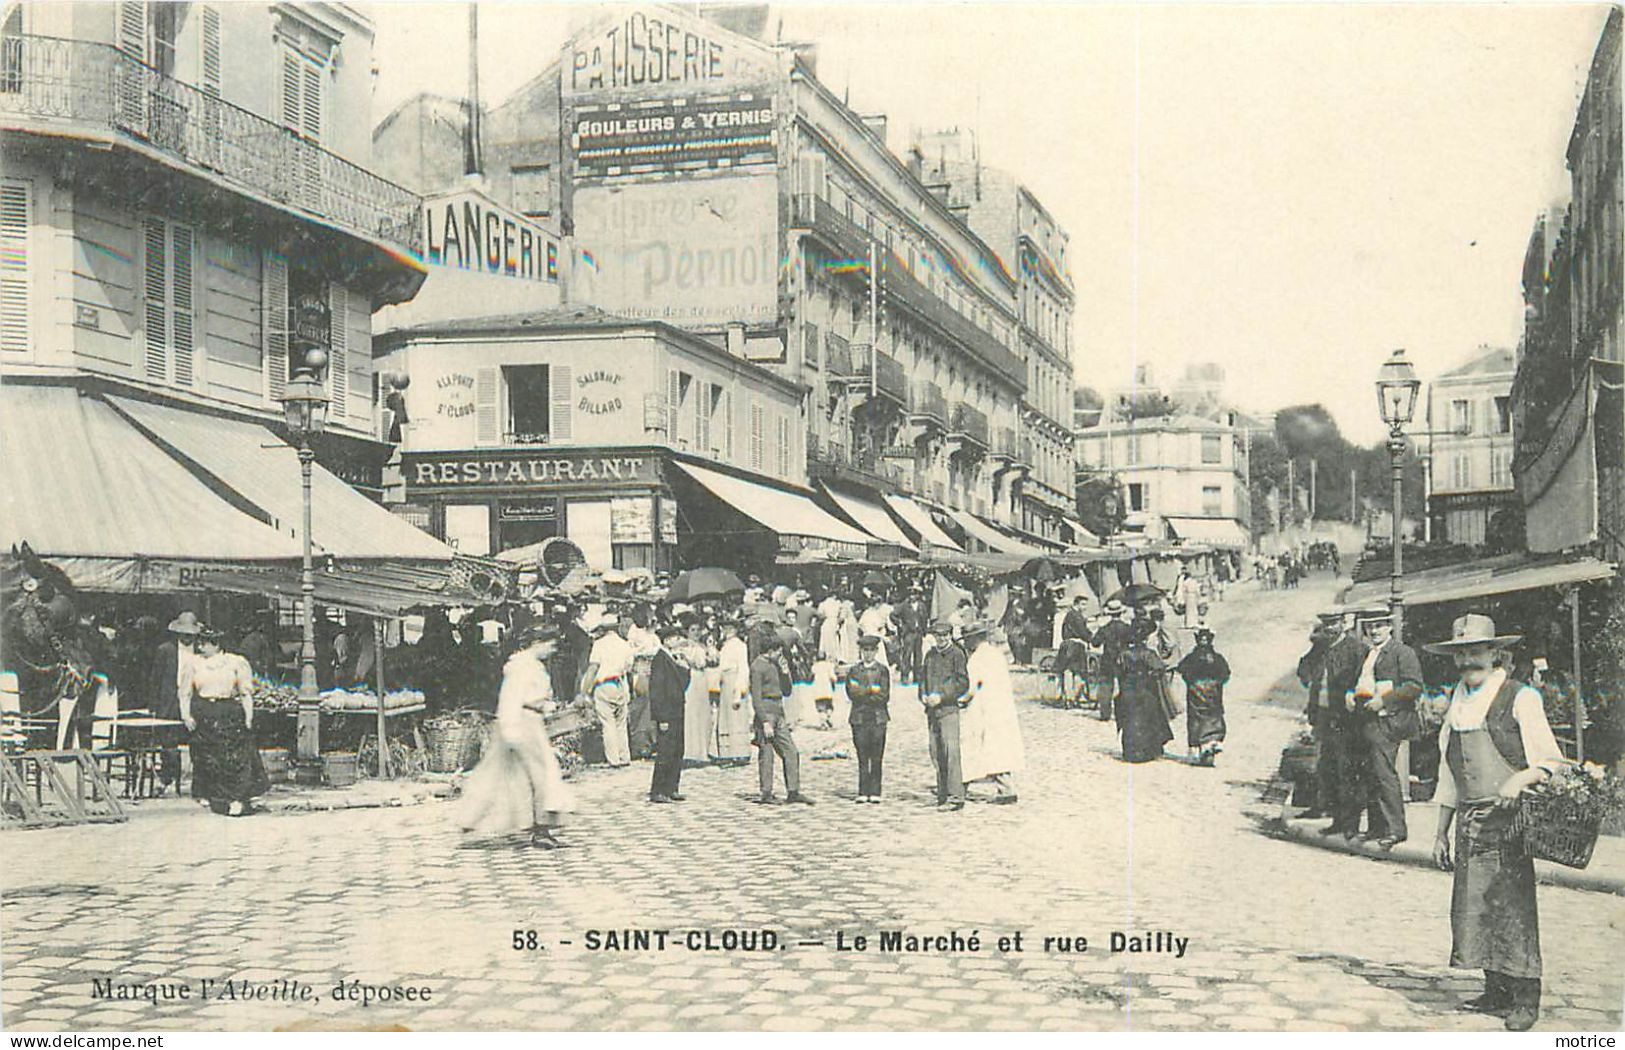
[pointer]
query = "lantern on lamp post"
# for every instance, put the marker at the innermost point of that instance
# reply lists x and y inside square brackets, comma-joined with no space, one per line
[1397,387]
[304,408]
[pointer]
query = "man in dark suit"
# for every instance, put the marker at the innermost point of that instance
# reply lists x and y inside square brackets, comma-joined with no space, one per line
[1113,637]
[1385,693]
[668,685]
[163,689]
[910,617]
[1330,670]
[868,687]
[774,736]
[944,688]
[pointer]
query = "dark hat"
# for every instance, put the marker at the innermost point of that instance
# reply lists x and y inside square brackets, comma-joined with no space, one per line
[941,627]
[533,633]
[975,629]
[1204,632]
[869,641]
[671,629]
[208,632]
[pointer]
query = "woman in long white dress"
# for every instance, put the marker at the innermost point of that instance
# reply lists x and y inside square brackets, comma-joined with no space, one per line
[989,735]
[733,729]
[518,783]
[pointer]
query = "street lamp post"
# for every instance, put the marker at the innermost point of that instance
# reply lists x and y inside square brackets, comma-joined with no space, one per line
[304,406]
[1397,386]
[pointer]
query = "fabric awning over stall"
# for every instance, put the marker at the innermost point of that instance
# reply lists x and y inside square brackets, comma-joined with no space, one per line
[870,516]
[80,484]
[262,471]
[1081,536]
[1219,532]
[982,532]
[919,519]
[785,512]
[375,589]
[1506,574]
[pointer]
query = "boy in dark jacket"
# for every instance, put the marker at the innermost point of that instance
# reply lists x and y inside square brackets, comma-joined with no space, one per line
[868,687]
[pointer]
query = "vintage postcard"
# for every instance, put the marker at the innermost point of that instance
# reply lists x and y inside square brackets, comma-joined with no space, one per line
[865,517]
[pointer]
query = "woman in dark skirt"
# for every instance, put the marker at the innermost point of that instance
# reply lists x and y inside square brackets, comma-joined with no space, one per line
[1205,673]
[217,706]
[1142,718]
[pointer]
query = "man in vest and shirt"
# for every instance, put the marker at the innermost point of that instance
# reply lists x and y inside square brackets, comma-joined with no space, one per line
[774,735]
[1496,742]
[1385,695]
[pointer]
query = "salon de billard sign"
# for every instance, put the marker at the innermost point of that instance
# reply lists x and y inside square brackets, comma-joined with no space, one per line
[525,470]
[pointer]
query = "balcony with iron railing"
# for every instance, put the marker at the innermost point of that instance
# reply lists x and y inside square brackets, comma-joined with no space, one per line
[837,461]
[882,372]
[969,423]
[55,85]
[928,405]
[1002,442]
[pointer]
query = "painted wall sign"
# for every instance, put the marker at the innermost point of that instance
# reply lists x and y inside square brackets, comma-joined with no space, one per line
[691,252]
[454,395]
[468,231]
[663,134]
[644,48]
[600,392]
[525,470]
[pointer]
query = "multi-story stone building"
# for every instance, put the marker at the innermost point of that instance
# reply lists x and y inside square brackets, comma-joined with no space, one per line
[708,180]
[1469,449]
[187,201]
[1009,216]
[1183,477]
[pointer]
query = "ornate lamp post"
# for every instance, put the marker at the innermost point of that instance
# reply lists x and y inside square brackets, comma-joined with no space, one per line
[304,407]
[1397,386]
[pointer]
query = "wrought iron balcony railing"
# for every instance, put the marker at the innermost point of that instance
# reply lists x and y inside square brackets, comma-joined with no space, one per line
[929,404]
[970,422]
[889,378]
[1004,441]
[52,81]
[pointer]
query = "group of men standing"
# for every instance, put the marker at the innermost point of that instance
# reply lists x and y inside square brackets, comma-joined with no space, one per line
[1363,698]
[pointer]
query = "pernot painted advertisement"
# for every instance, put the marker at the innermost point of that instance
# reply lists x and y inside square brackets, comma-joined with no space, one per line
[702,251]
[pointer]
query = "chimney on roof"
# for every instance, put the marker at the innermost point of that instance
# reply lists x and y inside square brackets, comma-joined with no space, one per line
[876,122]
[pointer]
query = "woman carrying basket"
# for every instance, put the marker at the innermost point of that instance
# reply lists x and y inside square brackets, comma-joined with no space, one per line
[1496,742]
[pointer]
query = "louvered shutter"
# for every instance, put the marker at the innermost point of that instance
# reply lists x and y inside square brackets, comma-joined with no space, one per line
[209,46]
[311,115]
[674,401]
[134,40]
[338,349]
[487,426]
[560,422]
[728,424]
[292,90]
[274,323]
[154,298]
[16,220]
[709,397]
[757,438]
[183,304]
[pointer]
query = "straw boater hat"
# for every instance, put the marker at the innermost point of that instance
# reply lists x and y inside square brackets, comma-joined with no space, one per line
[1114,607]
[1470,630]
[186,623]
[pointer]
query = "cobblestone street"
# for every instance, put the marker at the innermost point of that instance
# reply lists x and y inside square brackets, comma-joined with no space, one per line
[1280,935]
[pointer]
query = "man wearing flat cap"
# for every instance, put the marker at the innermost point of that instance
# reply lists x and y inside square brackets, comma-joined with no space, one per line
[944,687]
[1385,695]
[868,687]
[1496,742]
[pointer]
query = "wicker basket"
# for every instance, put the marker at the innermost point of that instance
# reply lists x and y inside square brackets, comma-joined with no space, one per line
[1561,830]
[453,748]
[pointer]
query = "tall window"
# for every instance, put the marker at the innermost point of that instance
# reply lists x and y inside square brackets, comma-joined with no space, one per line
[1461,415]
[533,190]
[1503,415]
[1212,449]
[1461,471]
[529,401]
[169,301]
[1501,468]
[1136,495]
[1133,456]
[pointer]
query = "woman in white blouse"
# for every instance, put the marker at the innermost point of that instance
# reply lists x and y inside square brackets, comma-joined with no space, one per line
[1495,743]
[217,705]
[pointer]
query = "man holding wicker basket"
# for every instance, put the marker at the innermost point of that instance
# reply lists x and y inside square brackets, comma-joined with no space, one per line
[1496,743]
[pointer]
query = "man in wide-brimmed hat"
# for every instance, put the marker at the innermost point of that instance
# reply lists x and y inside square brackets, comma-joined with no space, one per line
[1113,638]
[1385,716]
[171,667]
[1496,742]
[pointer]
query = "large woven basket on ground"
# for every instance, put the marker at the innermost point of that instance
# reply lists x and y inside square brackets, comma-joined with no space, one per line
[1561,830]
[453,747]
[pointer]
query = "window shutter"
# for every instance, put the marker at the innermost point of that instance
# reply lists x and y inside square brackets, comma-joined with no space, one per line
[274,323]
[712,396]
[674,401]
[209,43]
[311,116]
[154,293]
[728,424]
[757,438]
[784,447]
[292,90]
[134,38]
[487,430]
[16,219]
[338,349]
[560,422]
[182,304]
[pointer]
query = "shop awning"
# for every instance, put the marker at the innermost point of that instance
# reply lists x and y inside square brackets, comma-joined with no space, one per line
[995,539]
[376,589]
[782,511]
[1478,579]
[1219,532]
[254,466]
[871,516]
[919,519]
[78,481]
[1081,536]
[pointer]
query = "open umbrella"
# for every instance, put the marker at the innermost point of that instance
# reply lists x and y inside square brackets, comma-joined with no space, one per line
[1138,594]
[1042,569]
[876,578]
[693,584]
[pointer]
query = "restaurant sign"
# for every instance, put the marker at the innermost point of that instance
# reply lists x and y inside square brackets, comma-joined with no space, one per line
[609,138]
[526,470]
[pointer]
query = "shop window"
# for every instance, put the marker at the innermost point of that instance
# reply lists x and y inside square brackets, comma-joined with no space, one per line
[1212,501]
[529,404]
